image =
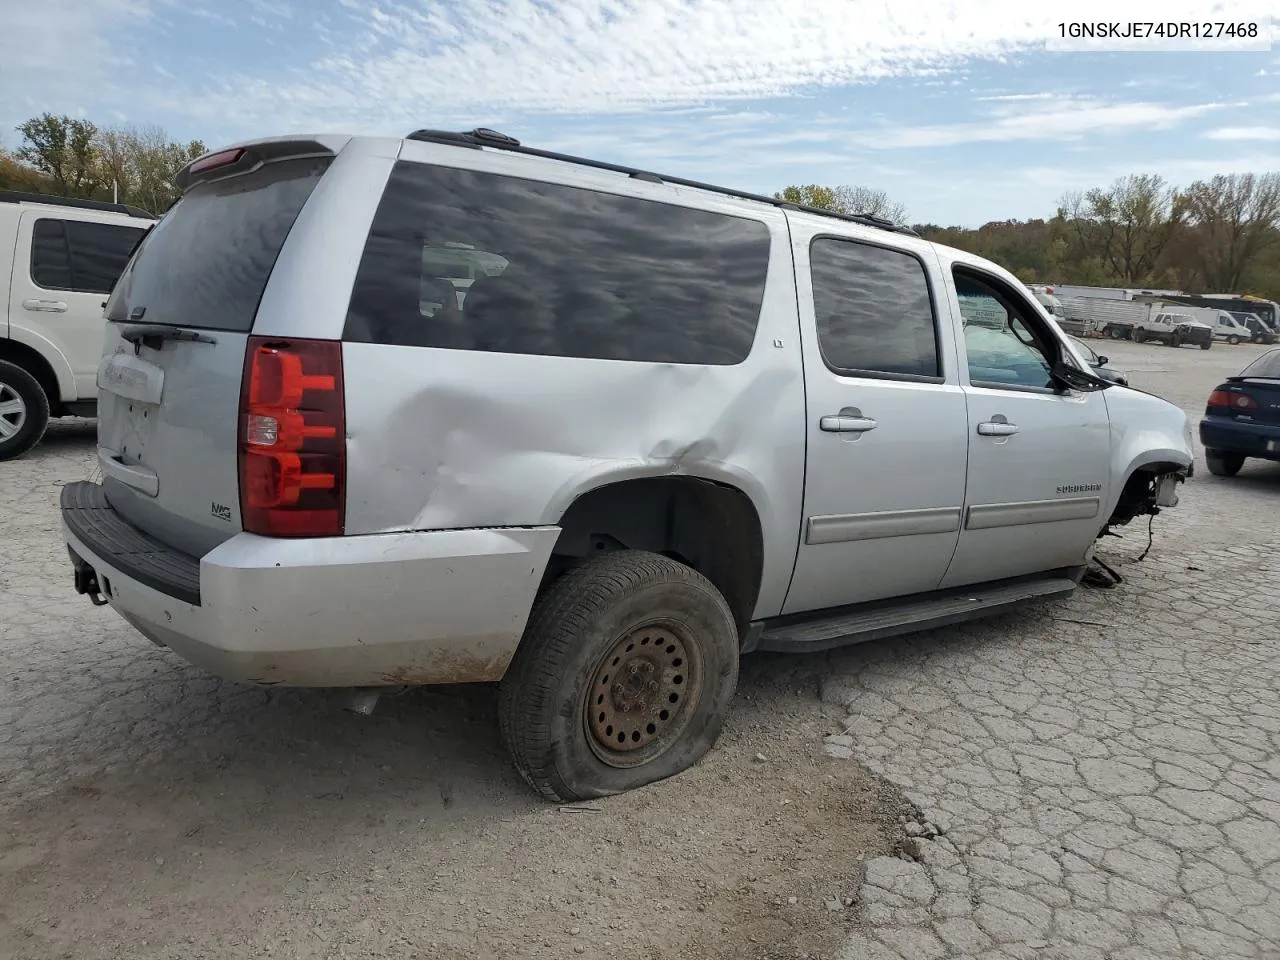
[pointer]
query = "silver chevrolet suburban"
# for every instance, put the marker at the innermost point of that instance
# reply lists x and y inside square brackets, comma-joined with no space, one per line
[381,412]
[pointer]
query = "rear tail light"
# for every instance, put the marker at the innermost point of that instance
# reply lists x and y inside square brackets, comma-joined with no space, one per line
[1230,400]
[293,448]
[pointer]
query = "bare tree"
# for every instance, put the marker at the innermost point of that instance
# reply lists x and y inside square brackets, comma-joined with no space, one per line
[143,160]
[1128,225]
[845,199]
[1237,217]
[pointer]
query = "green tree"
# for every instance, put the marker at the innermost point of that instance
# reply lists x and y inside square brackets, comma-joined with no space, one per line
[63,148]
[1127,225]
[1237,219]
[16,175]
[845,199]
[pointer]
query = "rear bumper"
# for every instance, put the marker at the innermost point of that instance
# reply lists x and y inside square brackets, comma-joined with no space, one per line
[445,606]
[1249,439]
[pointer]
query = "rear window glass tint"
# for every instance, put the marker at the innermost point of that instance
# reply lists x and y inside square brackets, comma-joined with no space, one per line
[1266,367]
[873,309]
[50,258]
[206,263]
[468,260]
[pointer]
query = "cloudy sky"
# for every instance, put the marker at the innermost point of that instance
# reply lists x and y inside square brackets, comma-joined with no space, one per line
[956,108]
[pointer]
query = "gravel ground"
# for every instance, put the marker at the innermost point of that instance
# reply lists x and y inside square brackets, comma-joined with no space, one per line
[1093,778]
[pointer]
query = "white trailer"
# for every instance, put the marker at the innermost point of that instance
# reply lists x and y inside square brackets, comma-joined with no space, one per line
[1064,290]
[1122,319]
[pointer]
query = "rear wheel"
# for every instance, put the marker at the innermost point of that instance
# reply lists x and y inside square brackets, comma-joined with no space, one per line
[24,411]
[623,678]
[1206,345]
[1222,464]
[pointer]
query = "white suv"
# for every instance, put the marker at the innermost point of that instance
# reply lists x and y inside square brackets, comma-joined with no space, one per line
[59,259]
[378,412]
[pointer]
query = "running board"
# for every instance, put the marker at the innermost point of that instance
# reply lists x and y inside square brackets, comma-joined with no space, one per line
[887,619]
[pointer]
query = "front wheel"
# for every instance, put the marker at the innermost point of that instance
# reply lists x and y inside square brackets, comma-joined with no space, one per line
[24,411]
[1139,335]
[1222,464]
[1176,340]
[625,673]
[1233,340]
[1206,345]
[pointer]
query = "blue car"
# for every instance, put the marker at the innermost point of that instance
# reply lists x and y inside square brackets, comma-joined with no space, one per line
[1242,418]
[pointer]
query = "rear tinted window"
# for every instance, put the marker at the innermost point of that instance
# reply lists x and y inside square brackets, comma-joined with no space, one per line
[1266,367]
[80,256]
[467,260]
[873,309]
[206,263]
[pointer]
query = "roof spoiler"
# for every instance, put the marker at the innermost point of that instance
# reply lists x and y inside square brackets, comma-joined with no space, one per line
[242,158]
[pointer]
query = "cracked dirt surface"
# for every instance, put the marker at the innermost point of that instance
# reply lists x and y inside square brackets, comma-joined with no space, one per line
[1104,771]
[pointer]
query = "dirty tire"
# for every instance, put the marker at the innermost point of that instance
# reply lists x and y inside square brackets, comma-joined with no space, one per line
[19,387]
[1222,464]
[575,626]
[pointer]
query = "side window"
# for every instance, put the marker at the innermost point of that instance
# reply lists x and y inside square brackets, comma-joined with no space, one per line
[50,258]
[79,256]
[873,310]
[468,260]
[1004,343]
[99,253]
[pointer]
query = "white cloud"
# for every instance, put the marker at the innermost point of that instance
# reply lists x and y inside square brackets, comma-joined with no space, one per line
[59,53]
[1018,96]
[419,58]
[1066,119]
[1244,133]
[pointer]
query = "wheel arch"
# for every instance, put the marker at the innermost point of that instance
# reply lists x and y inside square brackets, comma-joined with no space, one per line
[712,526]
[53,380]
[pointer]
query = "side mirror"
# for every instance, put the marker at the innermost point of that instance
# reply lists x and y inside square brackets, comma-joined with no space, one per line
[1073,379]
[1103,361]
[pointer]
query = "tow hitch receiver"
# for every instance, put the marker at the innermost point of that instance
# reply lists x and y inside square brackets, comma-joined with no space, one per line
[86,580]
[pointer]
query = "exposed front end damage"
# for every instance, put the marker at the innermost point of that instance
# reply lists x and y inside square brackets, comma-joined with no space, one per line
[1152,455]
[1146,493]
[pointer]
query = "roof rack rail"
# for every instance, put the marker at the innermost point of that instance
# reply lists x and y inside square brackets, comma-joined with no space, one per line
[484,137]
[17,196]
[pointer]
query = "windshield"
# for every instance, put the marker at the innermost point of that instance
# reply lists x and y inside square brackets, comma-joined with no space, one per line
[1266,367]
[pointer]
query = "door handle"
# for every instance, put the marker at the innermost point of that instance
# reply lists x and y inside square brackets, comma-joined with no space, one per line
[848,420]
[44,306]
[997,426]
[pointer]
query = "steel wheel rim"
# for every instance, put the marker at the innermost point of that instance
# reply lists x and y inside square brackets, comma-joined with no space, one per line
[642,694]
[13,412]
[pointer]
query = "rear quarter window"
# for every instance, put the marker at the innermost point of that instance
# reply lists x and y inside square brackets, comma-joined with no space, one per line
[80,256]
[476,261]
[207,262]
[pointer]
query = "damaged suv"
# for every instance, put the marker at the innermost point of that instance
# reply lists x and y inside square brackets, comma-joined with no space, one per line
[381,412]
